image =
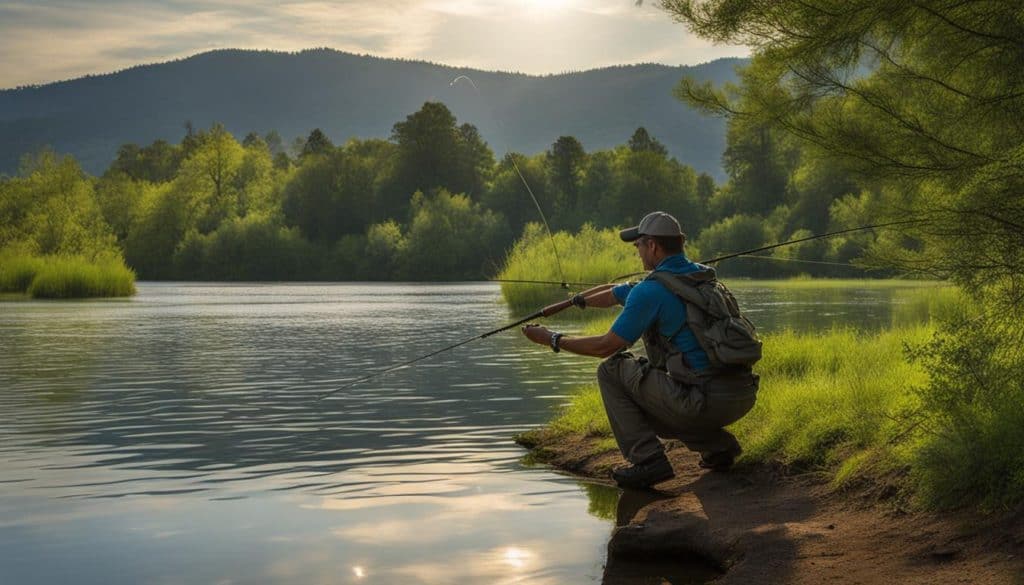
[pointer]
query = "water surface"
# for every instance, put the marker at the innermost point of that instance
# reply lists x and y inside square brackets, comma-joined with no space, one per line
[176,437]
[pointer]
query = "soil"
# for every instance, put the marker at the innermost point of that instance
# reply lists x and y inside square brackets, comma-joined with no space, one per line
[756,524]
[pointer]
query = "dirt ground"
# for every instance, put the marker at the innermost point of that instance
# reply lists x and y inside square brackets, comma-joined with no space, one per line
[756,525]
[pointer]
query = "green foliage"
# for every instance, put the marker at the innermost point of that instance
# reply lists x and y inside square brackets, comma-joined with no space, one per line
[470,237]
[385,250]
[206,181]
[827,396]
[972,412]
[155,163]
[433,153]
[51,209]
[317,144]
[17,270]
[62,277]
[252,248]
[592,255]
[510,197]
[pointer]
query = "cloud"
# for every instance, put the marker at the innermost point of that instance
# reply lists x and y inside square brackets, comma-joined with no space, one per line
[43,41]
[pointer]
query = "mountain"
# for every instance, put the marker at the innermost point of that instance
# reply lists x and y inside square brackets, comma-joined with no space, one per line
[349,95]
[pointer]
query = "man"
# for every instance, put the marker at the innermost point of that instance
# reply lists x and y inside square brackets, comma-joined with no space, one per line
[642,400]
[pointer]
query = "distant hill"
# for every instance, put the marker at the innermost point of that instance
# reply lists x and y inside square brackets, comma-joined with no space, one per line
[350,95]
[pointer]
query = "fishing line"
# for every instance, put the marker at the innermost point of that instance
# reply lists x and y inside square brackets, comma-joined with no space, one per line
[822,262]
[511,156]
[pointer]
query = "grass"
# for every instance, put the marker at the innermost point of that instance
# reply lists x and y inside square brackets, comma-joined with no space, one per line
[65,277]
[592,255]
[18,271]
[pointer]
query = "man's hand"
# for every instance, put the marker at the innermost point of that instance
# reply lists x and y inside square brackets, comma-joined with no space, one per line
[537,333]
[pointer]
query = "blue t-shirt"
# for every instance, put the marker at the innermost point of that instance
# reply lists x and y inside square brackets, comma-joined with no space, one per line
[648,301]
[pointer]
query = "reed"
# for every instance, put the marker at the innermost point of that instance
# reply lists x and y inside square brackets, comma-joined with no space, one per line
[66,277]
[17,271]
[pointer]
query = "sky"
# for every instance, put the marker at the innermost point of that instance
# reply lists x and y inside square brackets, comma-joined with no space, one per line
[43,41]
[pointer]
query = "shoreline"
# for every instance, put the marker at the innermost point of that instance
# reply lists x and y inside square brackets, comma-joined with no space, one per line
[760,524]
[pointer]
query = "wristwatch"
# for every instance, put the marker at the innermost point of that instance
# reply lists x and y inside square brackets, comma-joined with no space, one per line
[554,342]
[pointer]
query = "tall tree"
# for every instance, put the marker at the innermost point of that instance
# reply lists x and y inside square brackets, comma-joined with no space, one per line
[642,141]
[566,161]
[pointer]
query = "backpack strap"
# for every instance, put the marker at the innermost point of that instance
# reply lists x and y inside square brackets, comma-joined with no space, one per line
[685,285]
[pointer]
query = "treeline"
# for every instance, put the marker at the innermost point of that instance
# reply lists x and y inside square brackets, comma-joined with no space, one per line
[431,203]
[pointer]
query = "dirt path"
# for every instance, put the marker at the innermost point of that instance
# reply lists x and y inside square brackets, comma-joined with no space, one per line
[760,527]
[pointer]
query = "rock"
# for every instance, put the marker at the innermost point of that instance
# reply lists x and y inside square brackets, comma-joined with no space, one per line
[677,536]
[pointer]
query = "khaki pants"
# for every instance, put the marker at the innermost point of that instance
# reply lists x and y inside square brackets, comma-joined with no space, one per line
[643,404]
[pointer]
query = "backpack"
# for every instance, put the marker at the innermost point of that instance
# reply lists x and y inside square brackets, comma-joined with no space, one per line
[714,317]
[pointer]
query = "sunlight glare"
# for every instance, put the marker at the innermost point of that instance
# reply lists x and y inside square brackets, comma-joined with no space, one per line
[516,557]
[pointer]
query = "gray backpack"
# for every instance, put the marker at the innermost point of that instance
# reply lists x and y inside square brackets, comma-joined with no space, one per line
[714,317]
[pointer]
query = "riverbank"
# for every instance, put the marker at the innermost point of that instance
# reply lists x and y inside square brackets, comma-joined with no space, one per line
[762,524]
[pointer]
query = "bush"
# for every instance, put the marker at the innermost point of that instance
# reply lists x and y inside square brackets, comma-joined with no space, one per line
[972,414]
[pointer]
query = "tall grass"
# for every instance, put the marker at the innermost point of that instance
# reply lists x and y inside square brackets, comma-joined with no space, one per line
[65,277]
[18,271]
[592,255]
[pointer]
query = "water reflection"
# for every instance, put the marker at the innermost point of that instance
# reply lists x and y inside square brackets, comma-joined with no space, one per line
[176,436]
[622,506]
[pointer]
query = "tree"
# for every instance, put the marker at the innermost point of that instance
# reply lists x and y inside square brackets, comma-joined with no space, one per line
[450,237]
[434,153]
[566,161]
[207,178]
[316,144]
[641,141]
[50,208]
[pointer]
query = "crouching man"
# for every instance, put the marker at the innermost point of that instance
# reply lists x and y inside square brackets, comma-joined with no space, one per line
[696,378]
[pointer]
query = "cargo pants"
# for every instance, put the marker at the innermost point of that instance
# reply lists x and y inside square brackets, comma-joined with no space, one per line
[644,403]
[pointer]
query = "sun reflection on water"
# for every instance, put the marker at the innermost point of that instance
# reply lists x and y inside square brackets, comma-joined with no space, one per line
[516,557]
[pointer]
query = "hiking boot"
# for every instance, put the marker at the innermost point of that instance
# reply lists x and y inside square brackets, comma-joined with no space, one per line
[644,474]
[719,460]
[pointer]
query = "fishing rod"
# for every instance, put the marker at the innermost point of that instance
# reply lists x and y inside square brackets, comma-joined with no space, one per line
[555,308]
[787,243]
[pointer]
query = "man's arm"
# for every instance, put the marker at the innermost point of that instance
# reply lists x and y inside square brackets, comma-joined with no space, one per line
[601,346]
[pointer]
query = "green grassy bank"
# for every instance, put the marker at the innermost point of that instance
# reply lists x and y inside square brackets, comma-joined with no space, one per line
[861,409]
[65,277]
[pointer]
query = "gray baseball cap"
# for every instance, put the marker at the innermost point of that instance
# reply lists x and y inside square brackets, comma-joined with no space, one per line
[657,223]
